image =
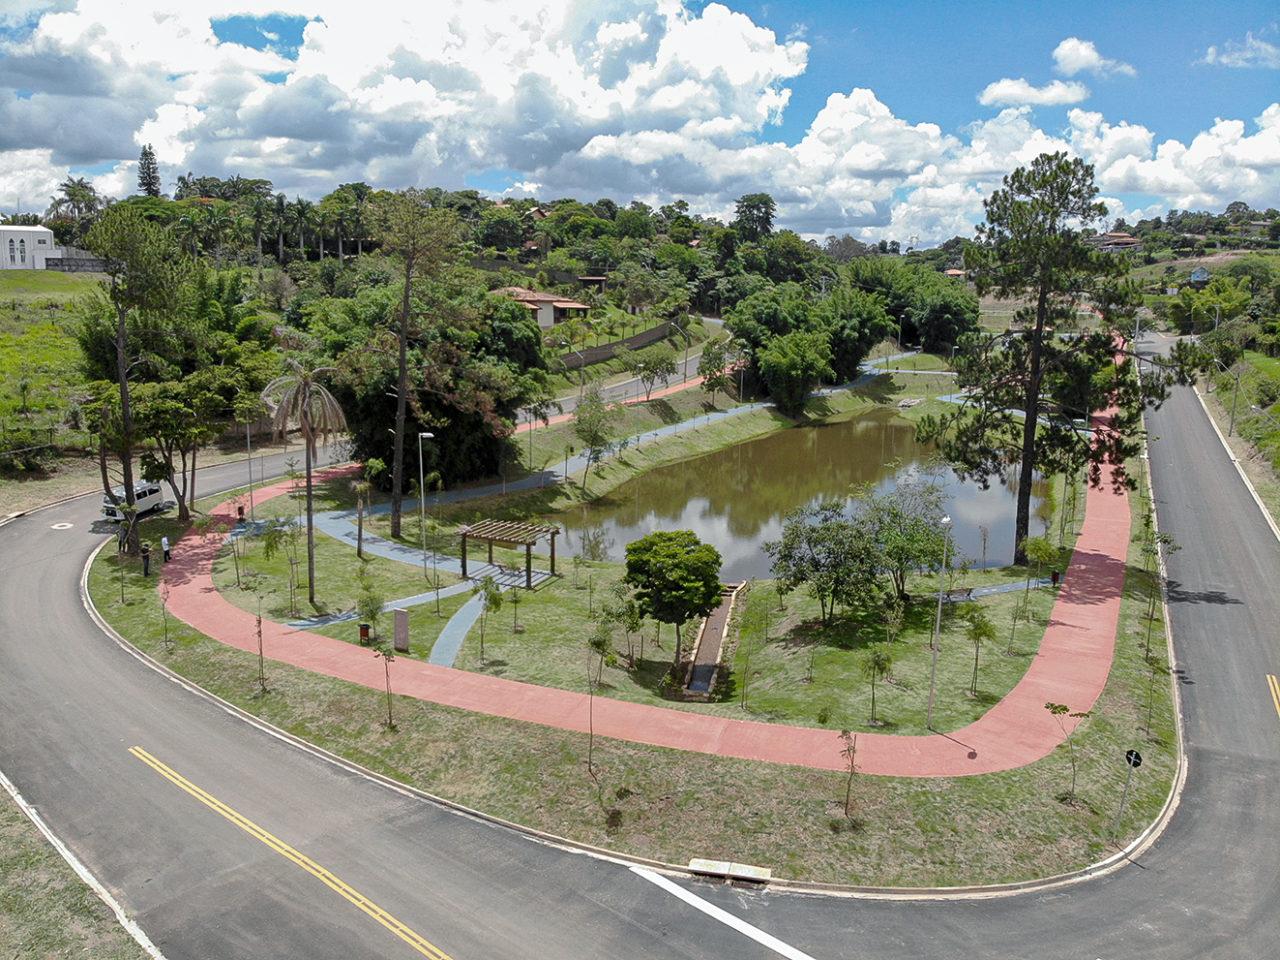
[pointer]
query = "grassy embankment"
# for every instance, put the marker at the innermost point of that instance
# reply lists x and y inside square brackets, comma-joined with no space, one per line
[673,805]
[45,909]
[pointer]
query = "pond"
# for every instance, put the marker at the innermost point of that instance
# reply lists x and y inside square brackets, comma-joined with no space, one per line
[736,498]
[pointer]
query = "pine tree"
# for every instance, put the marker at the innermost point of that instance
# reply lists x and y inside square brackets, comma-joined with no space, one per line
[148,172]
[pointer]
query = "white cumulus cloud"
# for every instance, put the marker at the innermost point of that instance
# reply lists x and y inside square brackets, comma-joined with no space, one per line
[1074,55]
[1252,51]
[1011,92]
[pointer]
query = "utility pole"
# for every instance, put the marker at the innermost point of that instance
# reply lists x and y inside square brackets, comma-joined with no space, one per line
[422,499]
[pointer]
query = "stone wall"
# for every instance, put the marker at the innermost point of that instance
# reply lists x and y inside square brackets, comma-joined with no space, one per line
[605,351]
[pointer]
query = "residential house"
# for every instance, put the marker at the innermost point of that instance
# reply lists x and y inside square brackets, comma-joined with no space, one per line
[549,308]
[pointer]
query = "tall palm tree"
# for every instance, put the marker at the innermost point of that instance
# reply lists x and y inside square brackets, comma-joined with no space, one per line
[321,220]
[360,193]
[297,397]
[77,199]
[303,212]
[259,214]
[363,490]
[217,224]
[189,229]
[280,220]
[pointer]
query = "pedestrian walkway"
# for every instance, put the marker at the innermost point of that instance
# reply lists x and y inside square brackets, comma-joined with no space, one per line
[1071,667]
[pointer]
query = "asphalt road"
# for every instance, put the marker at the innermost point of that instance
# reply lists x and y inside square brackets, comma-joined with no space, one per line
[72,704]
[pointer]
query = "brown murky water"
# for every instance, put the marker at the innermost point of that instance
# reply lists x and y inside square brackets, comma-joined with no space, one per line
[736,498]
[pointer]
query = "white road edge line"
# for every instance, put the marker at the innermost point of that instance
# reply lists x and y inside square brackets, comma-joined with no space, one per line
[728,919]
[129,924]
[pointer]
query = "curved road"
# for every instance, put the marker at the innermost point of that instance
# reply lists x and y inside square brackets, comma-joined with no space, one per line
[73,703]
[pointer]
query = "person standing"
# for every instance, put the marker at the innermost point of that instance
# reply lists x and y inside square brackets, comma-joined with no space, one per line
[164,547]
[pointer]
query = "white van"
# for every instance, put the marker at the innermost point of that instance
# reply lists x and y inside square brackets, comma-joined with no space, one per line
[147,497]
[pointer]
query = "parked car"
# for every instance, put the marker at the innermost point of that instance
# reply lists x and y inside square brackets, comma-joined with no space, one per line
[146,497]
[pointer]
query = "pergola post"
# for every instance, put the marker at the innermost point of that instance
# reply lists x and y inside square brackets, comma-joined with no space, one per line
[528,566]
[491,553]
[553,552]
[464,554]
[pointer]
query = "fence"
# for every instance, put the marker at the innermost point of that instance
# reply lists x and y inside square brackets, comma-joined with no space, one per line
[76,264]
[605,351]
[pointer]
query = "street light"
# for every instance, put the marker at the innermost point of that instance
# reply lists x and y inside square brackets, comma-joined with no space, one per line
[422,498]
[945,522]
[1235,394]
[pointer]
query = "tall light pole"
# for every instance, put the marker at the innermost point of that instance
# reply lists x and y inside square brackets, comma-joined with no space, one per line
[937,621]
[422,498]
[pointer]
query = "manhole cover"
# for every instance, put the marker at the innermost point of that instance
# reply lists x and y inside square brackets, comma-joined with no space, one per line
[62,526]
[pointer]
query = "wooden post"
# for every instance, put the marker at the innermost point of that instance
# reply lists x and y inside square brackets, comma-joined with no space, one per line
[491,553]
[464,555]
[553,552]
[528,566]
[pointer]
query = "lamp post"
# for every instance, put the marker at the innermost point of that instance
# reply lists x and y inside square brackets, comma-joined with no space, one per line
[422,498]
[945,522]
[248,446]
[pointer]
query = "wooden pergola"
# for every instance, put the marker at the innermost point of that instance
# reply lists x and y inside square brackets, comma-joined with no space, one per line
[510,533]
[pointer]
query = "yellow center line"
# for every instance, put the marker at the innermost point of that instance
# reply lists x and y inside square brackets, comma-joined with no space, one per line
[415,940]
[1274,684]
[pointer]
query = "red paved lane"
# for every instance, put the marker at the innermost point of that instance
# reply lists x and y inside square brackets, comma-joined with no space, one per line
[1071,667]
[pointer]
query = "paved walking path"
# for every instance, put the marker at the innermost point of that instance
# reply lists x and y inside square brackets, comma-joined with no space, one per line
[1071,667]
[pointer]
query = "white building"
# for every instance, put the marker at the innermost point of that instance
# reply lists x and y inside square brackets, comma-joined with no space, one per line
[26,248]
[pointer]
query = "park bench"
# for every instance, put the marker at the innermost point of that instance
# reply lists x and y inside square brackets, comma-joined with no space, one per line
[956,596]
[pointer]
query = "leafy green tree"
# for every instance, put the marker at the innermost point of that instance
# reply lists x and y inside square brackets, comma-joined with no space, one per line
[178,418]
[713,368]
[148,172]
[1062,713]
[1040,553]
[144,276]
[362,487]
[676,577]
[298,397]
[1028,395]
[978,630]
[593,426]
[905,525]
[369,602]
[425,239]
[490,602]
[651,366]
[876,664]
[793,365]
[823,550]
[753,215]
[855,321]
[501,228]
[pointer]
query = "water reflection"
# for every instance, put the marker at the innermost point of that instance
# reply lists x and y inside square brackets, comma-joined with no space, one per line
[736,498]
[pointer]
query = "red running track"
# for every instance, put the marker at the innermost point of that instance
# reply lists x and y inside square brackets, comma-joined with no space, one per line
[1071,667]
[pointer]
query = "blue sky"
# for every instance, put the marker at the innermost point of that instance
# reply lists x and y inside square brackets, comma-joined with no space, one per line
[899,118]
[928,61]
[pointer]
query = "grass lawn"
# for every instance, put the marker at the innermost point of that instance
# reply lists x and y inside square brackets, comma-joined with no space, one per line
[337,572]
[802,672]
[38,348]
[673,805]
[45,909]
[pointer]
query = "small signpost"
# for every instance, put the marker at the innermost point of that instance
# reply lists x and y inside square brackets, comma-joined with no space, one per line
[402,631]
[1134,760]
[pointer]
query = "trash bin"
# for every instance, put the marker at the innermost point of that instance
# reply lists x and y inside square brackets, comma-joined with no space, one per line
[240,512]
[1054,577]
[364,634]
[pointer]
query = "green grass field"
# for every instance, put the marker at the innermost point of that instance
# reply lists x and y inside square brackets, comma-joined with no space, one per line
[45,909]
[39,356]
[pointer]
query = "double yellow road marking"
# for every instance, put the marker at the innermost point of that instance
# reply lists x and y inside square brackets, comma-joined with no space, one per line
[338,886]
[1274,684]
